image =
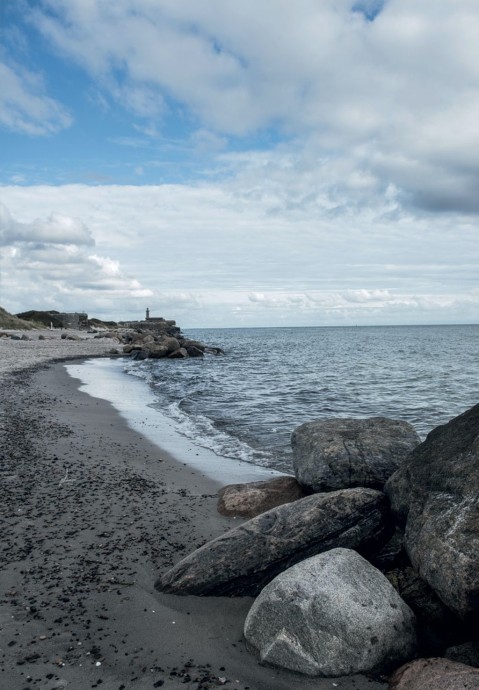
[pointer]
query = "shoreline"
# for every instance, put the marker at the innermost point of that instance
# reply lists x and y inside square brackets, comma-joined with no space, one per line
[93,512]
[134,400]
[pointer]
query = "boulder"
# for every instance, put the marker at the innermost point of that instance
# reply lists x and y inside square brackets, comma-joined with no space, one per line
[139,354]
[437,627]
[242,561]
[466,653]
[186,342]
[156,350]
[254,498]
[170,343]
[435,493]
[330,454]
[392,554]
[137,337]
[331,615]
[435,674]
[194,351]
[180,353]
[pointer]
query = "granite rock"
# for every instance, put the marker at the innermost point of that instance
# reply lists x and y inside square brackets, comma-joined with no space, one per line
[331,615]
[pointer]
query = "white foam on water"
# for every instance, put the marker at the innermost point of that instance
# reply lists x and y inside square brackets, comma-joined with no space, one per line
[200,429]
[132,397]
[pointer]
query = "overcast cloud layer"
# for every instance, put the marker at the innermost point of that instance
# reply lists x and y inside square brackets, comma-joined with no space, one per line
[245,163]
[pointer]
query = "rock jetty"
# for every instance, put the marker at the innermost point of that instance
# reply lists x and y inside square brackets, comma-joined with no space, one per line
[325,567]
[164,339]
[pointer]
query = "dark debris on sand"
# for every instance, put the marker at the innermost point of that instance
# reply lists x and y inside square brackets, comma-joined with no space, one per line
[64,576]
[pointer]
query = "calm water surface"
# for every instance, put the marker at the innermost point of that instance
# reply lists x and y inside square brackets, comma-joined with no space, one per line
[246,404]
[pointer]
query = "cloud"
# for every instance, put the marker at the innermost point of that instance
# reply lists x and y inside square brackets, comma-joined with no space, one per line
[25,106]
[47,264]
[57,229]
[385,91]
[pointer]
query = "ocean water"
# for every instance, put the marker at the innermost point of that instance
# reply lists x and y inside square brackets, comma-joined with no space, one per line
[246,403]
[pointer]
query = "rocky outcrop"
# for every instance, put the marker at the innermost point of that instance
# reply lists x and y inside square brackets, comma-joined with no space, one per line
[331,454]
[242,561]
[331,615]
[166,341]
[254,498]
[435,674]
[435,493]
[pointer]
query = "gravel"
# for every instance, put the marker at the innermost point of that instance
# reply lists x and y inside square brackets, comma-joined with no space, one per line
[16,355]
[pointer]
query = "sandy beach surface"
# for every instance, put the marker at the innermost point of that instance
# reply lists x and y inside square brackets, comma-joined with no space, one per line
[91,513]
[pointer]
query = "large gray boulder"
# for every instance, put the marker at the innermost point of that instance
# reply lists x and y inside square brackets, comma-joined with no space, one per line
[435,674]
[331,615]
[170,343]
[253,498]
[435,493]
[330,454]
[156,350]
[242,561]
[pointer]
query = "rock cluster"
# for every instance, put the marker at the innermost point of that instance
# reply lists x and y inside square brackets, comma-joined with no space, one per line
[322,609]
[165,340]
[14,336]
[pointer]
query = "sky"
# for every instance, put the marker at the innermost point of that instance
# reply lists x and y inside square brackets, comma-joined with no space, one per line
[237,163]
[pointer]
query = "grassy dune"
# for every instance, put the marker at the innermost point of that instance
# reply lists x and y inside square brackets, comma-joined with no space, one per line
[10,321]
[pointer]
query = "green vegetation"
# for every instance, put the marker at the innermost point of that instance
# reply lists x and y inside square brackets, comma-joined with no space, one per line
[42,319]
[97,323]
[10,321]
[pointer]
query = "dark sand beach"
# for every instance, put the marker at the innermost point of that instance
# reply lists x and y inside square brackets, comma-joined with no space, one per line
[91,513]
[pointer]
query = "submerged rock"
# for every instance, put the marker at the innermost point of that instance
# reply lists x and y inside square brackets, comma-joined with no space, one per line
[435,492]
[242,561]
[254,498]
[331,454]
[331,615]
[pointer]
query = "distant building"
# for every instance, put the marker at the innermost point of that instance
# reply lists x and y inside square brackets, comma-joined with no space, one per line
[76,320]
[153,323]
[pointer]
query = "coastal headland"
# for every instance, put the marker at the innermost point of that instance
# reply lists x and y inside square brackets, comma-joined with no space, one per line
[92,512]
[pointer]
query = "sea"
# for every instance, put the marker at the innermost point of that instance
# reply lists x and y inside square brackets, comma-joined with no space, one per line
[244,404]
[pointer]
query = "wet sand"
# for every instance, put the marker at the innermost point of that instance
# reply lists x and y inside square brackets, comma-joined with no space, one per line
[92,511]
